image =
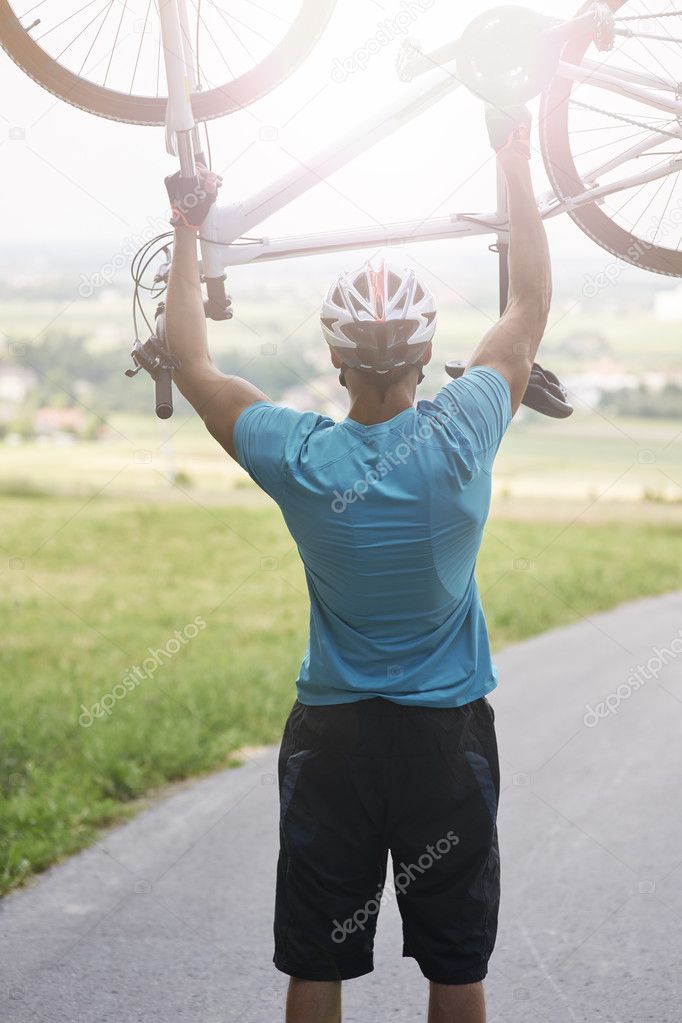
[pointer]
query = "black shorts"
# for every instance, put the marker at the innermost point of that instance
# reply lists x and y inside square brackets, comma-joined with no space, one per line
[359,780]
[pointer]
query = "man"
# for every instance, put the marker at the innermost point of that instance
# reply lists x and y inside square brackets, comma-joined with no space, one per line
[390,745]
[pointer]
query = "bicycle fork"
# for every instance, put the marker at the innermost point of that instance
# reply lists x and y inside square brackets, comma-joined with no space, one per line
[183,141]
[182,135]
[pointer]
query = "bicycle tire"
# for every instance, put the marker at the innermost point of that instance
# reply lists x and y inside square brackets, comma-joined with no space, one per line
[566,180]
[290,52]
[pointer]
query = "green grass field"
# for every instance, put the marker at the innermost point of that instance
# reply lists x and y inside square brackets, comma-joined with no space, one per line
[91,586]
[575,460]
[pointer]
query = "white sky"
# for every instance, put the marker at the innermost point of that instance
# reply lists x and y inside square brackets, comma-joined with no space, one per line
[78,177]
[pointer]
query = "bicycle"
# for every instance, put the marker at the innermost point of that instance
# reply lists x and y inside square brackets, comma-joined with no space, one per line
[507,56]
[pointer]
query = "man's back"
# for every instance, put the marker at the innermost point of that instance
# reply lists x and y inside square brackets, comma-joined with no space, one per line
[388,520]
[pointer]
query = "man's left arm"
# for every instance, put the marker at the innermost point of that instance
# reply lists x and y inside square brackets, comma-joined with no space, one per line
[218,398]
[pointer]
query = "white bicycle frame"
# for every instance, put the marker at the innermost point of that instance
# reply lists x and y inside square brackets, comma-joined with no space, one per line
[228,223]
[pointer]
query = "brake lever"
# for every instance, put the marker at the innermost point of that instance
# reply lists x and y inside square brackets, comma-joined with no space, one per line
[155,359]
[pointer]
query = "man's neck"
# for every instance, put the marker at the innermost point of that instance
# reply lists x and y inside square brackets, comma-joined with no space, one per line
[370,409]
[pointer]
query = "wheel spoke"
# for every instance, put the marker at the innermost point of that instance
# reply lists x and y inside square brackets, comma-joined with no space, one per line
[97,34]
[629,131]
[272,14]
[64,21]
[158,55]
[606,145]
[35,7]
[219,50]
[673,186]
[113,49]
[139,49]
[633,227]
[236,36]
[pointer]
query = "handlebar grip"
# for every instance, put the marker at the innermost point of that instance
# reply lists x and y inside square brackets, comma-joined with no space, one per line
[163,386]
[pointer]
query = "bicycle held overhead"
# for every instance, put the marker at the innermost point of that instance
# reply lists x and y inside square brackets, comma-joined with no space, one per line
[614,68]
[612,74]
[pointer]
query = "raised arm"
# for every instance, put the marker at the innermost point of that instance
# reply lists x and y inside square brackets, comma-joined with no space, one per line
[219,399]
[511,345]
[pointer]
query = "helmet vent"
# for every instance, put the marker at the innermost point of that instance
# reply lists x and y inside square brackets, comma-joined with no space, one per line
[394,283]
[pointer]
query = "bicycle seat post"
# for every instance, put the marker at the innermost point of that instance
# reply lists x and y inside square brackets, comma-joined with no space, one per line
[503,239]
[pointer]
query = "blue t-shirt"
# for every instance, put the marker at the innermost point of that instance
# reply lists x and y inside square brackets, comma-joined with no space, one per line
[388,520]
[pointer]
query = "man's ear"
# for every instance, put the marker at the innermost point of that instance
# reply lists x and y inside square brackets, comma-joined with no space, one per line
[336,361]
[428,355]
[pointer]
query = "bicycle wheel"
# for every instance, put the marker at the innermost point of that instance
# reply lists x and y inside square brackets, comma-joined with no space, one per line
[586,132]
[105,56]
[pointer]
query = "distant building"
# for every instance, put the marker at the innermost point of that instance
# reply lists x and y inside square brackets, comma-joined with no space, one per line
[48,422]
[603,377]
[16,383]
[587,345]
[668,305]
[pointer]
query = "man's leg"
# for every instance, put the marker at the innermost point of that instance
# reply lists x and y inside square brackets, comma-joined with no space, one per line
[456,1003]
[443,842]
[314,1001]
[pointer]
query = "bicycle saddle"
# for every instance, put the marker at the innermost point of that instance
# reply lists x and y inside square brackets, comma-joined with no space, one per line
[545,394]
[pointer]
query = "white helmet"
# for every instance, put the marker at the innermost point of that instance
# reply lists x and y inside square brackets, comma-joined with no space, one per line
[379,320]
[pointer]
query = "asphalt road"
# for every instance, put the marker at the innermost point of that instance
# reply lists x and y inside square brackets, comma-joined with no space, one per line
[169,917]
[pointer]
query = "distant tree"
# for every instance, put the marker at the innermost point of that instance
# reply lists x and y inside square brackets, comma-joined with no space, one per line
[67,366]
[645,402]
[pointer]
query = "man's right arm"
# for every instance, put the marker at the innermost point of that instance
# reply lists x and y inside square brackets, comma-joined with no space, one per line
[511,345]
[219,399]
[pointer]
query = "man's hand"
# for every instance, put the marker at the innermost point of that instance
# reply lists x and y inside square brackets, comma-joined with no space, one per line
[509,129]
[192,198]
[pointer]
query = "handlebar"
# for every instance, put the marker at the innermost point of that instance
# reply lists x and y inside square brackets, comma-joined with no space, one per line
[163,378]
[163,389]
[154,357]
